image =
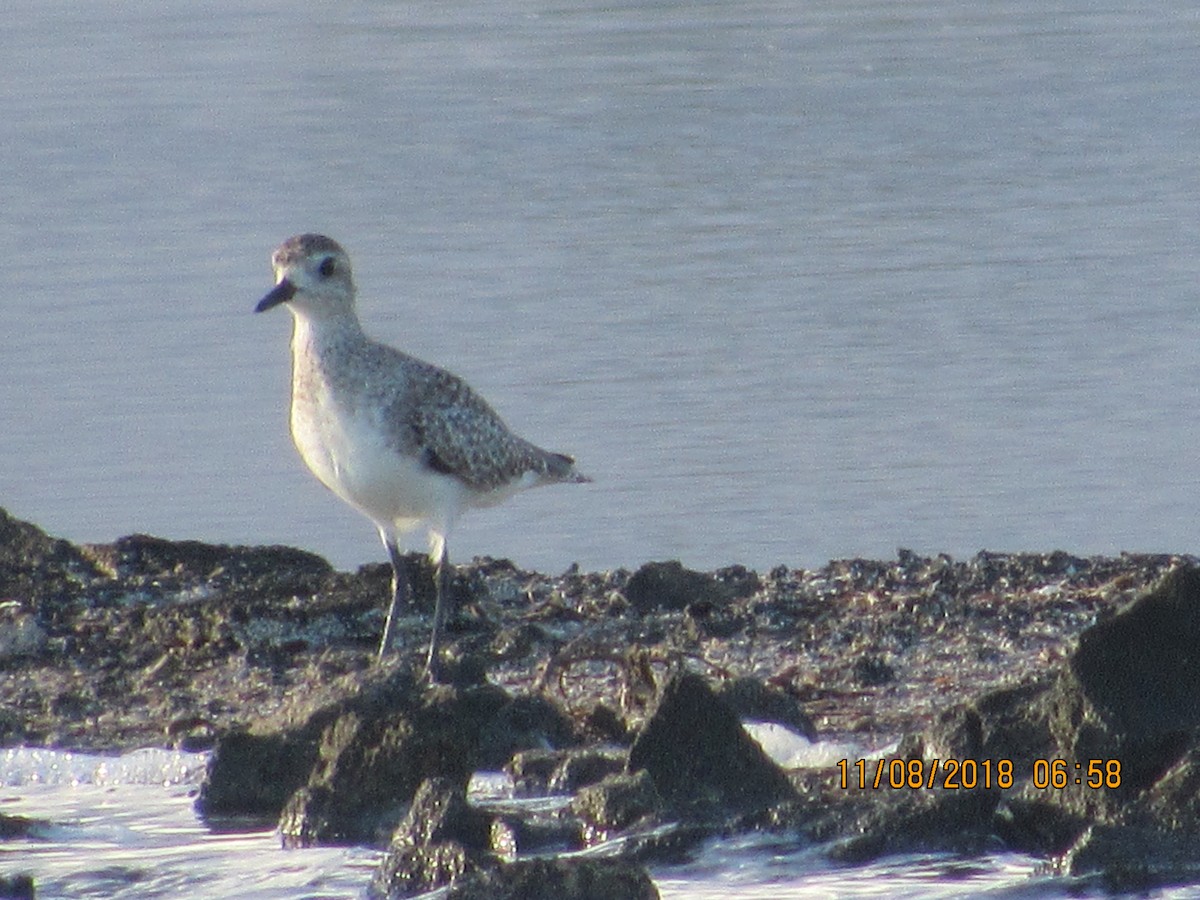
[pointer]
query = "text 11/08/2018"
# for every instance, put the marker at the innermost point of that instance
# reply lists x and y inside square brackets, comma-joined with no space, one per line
[972,774]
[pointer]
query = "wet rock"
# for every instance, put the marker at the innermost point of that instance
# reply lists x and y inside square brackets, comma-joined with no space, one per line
[1129,696]
[561,879]
[441,839]
[351,768]
[1137,671]
[1116,728]
[439,813]
[373,755]
[406,871]
[700,757]
[531,832]
[18,826]
[912,821]
[616,804]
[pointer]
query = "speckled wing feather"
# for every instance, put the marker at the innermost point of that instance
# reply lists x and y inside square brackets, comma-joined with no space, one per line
[438,417]
[462,436]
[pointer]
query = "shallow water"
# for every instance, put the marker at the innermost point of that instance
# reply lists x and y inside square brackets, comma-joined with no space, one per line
[793,280]
[124,827]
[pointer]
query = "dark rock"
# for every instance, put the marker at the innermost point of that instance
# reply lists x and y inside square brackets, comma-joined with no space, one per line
[910,821]
[579,768]
[602,723]
[16,887]
[1134,690]
[538,772]
[254,775]
[529,720]
[530,771]
[871,670]
[668,585]
[441,839]
[147,557]
[405,871]
[1133,859]
[17,826]
[374,754]
[700,757]
[440,813]
[352,767]
[558,879]
[1124,710]
[616,804]
[35,567]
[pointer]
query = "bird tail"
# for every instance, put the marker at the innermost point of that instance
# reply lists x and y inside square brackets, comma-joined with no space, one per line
[562,468]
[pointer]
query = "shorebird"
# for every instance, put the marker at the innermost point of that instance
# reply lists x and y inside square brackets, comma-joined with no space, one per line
[404,442]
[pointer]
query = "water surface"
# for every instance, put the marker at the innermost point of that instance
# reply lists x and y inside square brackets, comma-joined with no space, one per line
[793,280]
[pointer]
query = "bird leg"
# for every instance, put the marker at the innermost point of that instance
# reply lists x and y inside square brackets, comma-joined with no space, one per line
[399,596]
[440,573]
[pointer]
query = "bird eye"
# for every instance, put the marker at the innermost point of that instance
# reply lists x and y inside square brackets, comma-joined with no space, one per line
[326,268]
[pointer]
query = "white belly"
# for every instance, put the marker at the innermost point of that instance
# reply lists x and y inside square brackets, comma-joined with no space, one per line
[352,458]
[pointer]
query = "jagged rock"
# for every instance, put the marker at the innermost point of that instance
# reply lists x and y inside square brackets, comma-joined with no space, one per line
[1123,710]
[1133,859]
[373,756]
[441,839]
[416,870]
[439,813]
[700,757]
[353,766]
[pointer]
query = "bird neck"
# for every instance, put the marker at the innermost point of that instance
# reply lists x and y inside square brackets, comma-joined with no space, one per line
[315,333]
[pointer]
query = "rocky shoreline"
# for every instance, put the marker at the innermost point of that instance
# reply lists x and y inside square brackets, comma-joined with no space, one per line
[1043,702]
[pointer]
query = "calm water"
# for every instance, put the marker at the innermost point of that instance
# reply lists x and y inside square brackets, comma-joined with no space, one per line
[794,280]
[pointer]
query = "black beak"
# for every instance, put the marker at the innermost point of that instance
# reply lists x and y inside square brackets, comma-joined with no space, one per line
[281,293]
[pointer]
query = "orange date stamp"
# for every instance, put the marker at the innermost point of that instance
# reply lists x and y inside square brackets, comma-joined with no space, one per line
[975,774]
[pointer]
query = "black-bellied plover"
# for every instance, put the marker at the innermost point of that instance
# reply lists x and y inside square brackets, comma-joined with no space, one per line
[404,442]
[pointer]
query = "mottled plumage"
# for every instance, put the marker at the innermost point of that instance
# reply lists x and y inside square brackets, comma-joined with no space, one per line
[406,443]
